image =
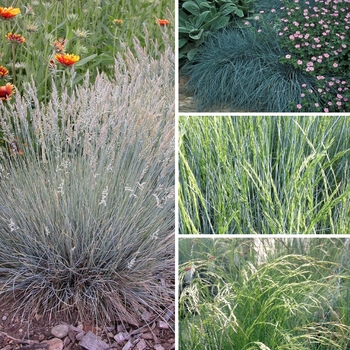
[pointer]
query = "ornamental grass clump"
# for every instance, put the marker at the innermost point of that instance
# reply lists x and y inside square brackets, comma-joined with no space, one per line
[288,300]
[264,175]
[87,195]
[239,68]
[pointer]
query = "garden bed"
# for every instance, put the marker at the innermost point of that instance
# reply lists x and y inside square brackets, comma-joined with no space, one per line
[275,56]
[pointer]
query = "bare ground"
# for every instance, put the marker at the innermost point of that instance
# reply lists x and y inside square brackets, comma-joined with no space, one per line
[157,332]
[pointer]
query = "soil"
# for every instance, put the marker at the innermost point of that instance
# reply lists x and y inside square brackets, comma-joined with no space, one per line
[187,101]
[157,333]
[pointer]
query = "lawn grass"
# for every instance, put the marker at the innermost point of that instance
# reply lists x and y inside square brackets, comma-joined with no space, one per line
[264,175]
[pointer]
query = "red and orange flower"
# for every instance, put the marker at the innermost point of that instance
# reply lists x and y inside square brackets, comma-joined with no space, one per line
[3,71]
[162,22]
[67,59]
[9,12]
[15,38]
[6,91]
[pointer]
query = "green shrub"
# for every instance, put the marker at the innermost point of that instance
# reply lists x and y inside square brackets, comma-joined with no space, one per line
[87,194]
[316,41]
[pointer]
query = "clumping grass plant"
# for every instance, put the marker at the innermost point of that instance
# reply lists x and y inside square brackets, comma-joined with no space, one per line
[87,194]
[238,66]
[289,56]
[264,175]
[274,294]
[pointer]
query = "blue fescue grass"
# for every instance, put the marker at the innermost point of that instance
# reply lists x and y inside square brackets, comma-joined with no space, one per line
[239,69]
[87,195]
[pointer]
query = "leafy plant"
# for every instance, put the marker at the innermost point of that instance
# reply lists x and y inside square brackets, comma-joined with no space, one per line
[198,18]
[87,195]
[297,51]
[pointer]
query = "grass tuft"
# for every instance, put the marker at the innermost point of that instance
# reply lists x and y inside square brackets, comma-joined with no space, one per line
[87,194]
[264,175]
[237,66]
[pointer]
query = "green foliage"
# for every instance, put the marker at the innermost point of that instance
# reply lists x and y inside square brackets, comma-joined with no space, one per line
[264,175]
[285,294]
[198,18]
[304,53]
[237,66]
[90,31]
[87,194]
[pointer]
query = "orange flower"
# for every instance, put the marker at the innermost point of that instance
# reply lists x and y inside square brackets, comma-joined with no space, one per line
[6,91]
[162,22]
[15,38]
[66,59]
[3,71]
[9,12]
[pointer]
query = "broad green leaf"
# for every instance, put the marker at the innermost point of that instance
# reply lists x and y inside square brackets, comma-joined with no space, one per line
[219,23]
[182,42]
[192,53]
[192,7]
[196,34]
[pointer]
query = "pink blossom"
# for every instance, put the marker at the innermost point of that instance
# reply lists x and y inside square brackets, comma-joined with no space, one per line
[299,106]
[288,56]
[326,110]
[300,62]
[335,64]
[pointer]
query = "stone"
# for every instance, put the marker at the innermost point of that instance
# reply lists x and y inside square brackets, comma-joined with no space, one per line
[121,337]
[158,347]
[91,342]
[129,345]
[60,331]
[163,325]
[141,345]
[54,344]
[80,336]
